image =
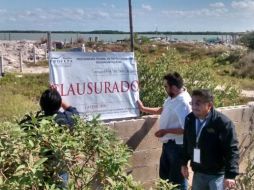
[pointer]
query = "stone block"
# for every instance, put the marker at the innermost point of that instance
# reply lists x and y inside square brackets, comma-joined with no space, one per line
[145,158]
[147,185]
[145,173]
[131,127]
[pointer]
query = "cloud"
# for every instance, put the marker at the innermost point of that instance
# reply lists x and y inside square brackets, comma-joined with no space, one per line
[101,14]
[109,5]
[243,5]
[12,19]
[61,15]
[80,12]
[147,7]
[120,15]
[205,12]
[217,5]
[3,11]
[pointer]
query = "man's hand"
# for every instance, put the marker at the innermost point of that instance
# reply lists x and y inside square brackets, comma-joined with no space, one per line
[161,133]
[52,87]
[229,183]
[151,110]
[185,172]
[140,105]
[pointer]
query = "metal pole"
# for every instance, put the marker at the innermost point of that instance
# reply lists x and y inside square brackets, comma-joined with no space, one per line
[131,26]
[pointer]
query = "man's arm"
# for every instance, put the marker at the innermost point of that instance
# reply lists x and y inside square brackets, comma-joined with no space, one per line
[162,132]
[231,154]
[65,105]
[142,108]
[181,112]
[70,110]
[186,157]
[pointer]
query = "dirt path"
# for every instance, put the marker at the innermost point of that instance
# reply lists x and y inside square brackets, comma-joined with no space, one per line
[36,70]
[248,93]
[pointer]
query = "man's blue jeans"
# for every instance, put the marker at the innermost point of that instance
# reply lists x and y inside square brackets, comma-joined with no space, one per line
[170,164]
[207,182]
[64,176]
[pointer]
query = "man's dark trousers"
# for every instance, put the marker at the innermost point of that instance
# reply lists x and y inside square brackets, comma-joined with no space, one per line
[170,164]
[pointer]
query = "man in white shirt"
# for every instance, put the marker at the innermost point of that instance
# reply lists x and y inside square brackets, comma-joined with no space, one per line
[173,113]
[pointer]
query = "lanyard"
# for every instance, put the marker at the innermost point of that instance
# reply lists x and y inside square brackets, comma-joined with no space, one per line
[199,127]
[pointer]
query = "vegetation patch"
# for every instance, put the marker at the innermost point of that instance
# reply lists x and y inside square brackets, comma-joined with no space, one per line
[245,66]
[197,74]
[19,94]
[37,153]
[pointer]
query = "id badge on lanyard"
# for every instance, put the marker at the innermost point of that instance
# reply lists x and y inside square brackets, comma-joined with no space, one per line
[196,155]
[196,151]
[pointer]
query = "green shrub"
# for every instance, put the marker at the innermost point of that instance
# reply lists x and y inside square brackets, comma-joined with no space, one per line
[248,40]
[245,66]
[164,184]
[144,39]
[35,153]
[91,154]
[197,74]
[245,181]
[229,57]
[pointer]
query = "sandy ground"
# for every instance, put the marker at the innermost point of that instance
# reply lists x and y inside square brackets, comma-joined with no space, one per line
[35,70]
[248,93]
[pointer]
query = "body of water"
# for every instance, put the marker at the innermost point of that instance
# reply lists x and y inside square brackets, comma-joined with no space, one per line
[105,37]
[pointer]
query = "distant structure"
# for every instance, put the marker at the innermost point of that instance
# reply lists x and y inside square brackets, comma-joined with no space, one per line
[83,48]
[213,40]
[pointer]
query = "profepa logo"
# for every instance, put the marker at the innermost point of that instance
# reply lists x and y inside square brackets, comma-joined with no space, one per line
[61,61]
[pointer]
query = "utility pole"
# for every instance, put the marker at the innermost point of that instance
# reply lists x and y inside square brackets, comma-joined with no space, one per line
[131,27]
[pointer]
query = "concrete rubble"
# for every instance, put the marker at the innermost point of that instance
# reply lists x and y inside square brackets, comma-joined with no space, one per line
[10,50]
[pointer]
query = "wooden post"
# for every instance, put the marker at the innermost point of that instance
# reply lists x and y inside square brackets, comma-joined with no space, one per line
[77,36]
[34,52]
[46,54]
[71,41]
[131,27]
[20,62]
[49,42]
[83,48]
[1,66]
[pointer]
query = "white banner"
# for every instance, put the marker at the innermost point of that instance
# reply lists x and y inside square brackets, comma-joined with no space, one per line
[102,83]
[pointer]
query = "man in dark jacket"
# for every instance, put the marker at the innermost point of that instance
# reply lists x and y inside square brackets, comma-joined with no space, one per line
[50,103]
[211,144]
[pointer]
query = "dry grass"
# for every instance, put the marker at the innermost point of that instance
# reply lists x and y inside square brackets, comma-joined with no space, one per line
[19,94]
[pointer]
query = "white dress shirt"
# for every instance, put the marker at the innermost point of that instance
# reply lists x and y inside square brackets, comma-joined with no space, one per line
[173,115]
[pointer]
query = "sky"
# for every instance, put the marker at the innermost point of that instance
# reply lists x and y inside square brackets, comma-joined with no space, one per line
[148,15]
